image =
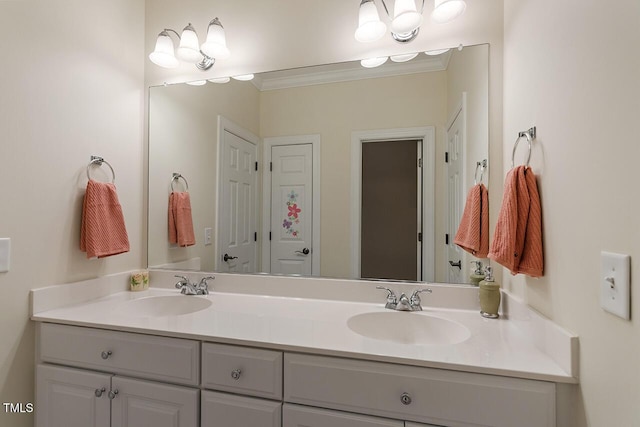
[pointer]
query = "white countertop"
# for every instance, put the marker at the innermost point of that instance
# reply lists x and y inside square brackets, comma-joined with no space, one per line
[317,326]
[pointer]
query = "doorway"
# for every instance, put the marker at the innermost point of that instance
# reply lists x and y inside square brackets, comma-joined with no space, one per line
[420,149]
[391,212]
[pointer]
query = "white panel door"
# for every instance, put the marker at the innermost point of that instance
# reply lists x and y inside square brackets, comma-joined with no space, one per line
[228,410]
[291,209]
[138,403]
[455,258]
[71,398]
[238,206]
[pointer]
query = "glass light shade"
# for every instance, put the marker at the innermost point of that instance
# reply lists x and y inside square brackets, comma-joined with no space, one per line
[244,77]
[373,62]
[370,27]
[189,49]
[220,80]
[403,58]
[197,83]
[216,44]
[163,55]
[436,52]
[447,10]
[405,17]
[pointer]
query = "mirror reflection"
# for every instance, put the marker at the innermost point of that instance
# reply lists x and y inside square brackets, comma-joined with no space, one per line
[335,170]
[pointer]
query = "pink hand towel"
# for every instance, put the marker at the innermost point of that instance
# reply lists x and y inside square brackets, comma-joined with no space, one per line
[180,219]
[473,232]
[517,240]
[103,232]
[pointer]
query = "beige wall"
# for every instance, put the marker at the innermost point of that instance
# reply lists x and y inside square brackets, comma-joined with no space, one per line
[573,70]
[71,87]
[336,110]
[183,129]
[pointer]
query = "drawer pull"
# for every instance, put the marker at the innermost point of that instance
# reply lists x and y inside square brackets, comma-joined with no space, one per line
[105,354]
[235,374]
[405,398]
[113,394]
[99,391]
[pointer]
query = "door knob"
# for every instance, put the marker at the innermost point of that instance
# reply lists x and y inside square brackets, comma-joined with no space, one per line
[304,251]
[226,257]
[456,264]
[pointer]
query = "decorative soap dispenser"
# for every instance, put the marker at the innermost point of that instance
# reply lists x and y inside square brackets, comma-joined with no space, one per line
[489,295]
[478,275]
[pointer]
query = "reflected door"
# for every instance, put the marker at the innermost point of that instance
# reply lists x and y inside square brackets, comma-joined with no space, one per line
[238,219]
[455,258]
[291,209]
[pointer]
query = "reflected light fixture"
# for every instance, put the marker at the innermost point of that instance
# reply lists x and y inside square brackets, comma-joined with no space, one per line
[220,80]
[189,50]
[244,77]
[374,62]
[404,57]
[197,83]
[406,19]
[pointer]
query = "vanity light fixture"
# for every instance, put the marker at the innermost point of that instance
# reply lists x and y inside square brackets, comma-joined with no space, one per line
[406,19]
[220,80]
[204,56]
[373,62]
[244,77]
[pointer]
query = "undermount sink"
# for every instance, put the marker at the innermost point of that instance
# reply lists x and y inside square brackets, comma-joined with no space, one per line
[408,328]
[160,306]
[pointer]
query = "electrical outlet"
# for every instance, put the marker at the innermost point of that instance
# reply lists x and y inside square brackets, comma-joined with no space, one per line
[615,286]
[207,236]
[5,255]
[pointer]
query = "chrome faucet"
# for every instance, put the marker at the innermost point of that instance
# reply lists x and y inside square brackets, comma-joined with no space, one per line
[188,288]
[405,303]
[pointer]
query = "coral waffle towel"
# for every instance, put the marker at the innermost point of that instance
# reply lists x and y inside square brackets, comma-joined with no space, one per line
[103,232]
[517,240]
[473,232]
[180,220]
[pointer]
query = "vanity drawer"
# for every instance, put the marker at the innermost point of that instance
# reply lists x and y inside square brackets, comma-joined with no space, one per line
[305,416]
[424,395]
[171,360]
[242,370]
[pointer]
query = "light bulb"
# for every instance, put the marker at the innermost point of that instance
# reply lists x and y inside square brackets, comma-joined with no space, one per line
[405,17]
[189,49]
[370,27]
[447,10]
[216,44]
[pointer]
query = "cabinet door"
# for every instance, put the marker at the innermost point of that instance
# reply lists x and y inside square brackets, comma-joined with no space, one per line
[305,416]
[138,403]
[68,397]
[227,410]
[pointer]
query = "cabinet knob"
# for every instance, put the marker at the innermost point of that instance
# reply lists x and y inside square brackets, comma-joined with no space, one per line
[235,374]
[99,391]
[113,394]
[405,398]
[106,354]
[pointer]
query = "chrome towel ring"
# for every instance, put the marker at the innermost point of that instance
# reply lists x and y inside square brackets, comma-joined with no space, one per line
[177,176]
[483,166]
[96,160]
[530,135]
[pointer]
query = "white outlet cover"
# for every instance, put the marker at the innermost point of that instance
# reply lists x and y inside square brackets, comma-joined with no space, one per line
[5,255]
[615,285]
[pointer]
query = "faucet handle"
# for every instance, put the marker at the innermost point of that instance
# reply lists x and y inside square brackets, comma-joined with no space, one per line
[182,282]
[392,299]
[203,286]
[415,297]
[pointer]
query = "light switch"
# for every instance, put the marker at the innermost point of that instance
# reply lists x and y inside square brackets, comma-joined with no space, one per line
[615,286]
[5,255]
[207,236]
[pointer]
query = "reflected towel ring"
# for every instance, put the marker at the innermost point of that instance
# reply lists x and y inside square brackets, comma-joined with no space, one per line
[530,135]
[96,160]
[483,166]
[177,176]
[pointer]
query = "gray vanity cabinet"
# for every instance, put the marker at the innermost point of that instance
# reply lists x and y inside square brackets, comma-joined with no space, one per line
[68,397]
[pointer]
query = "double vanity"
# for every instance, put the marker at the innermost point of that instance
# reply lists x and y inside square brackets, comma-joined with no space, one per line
[279,351]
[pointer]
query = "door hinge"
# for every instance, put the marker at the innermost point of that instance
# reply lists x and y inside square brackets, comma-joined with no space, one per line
[270,166]
[446,239]
[256,166]
[255,236]
[420,237]
[420,163]
[269,235]
[446,157]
